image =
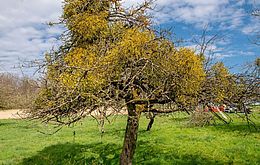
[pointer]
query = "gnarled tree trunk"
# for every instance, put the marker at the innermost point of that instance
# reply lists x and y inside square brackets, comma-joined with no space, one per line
[130,135]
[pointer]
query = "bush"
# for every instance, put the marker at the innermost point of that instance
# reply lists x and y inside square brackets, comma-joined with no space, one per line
[200,118]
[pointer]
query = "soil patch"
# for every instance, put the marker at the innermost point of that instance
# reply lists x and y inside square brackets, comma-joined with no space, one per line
[11,114]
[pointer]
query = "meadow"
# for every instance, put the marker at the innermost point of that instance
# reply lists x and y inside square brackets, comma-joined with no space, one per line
[171,141]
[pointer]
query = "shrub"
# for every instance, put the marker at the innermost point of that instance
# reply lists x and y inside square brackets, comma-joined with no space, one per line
[200,118]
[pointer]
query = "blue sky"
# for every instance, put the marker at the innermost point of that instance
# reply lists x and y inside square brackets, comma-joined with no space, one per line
[24,35]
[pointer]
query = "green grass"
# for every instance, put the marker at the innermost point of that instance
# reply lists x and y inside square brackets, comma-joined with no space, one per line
[170,141]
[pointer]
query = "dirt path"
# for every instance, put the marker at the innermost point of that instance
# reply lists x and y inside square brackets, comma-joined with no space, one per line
[10,114]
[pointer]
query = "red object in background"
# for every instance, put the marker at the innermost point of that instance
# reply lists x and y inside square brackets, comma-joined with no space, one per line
[222,108]
[214,108]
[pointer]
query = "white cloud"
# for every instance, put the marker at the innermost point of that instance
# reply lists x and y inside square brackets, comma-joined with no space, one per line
[253,27]
[234,53]
[23,31]
[254,2]
[228,14]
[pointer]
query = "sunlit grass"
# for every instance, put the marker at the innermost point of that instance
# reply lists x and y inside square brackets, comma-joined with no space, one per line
[171,141]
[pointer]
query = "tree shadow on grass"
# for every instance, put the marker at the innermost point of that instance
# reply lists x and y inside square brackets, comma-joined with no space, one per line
[101,153]
[72,153]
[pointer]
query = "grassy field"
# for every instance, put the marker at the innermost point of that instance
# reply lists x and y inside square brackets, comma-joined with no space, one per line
[170,141]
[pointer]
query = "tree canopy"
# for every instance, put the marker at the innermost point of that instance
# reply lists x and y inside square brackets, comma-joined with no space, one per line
[110,55]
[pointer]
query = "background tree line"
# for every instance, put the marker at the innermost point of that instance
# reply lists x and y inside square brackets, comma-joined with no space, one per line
[16,92]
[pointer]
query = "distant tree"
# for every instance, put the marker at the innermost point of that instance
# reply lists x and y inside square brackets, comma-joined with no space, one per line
[218,85]
[111,59]
[248,85]
[246,90]
[16,92]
